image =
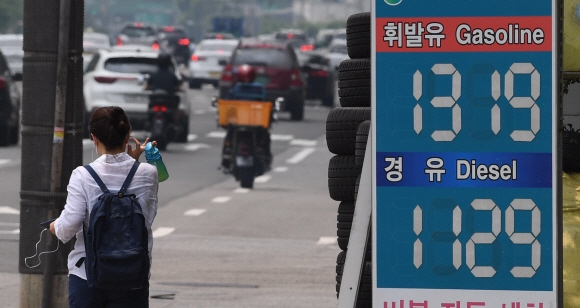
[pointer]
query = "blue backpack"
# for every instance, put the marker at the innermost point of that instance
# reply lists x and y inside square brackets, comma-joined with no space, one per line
[116,242]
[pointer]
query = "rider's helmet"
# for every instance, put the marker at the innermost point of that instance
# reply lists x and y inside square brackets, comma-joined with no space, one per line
[246,73]
[164,60]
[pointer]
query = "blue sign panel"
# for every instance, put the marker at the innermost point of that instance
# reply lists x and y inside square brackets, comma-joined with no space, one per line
[464,145]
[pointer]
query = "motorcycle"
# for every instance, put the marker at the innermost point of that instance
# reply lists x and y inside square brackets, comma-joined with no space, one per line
[246,152]
[161,117]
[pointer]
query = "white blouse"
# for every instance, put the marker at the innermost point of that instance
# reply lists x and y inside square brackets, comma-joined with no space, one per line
[83,192]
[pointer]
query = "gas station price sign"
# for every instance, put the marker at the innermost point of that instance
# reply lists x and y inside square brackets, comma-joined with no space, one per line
[464,151]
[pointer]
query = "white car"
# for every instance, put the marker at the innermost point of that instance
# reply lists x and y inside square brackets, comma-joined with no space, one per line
[11,47]
[92,42]
[337,53]
[208,60]
[117,77]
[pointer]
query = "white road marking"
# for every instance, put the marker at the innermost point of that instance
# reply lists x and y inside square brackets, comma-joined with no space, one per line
[216,134]
[262,179]
[5,161]
[199,111]
[326,240]
[195,212]
[162,231]
[280,169]
[276,137]
[240,190]
[298,157]
[17,231]
[10,224]
[304,143]
[222,199]
[196,146]
[8,210]
[191,137]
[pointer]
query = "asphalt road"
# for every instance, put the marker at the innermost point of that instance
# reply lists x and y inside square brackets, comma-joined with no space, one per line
[217,245]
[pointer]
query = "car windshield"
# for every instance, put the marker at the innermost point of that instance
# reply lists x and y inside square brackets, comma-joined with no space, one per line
[263,57]
[133,65]
[216,47]
[138,31]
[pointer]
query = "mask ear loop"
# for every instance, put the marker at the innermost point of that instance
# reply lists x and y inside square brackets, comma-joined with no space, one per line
[36,251]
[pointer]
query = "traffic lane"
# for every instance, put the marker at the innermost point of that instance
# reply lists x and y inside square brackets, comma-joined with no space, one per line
[273,246]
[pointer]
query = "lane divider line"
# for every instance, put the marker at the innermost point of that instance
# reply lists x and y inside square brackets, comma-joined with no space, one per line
[5,161]
[276,137]
[327,240]
[191,137]
[262,179]
[9,210]
[17,231]
[162,231]
[216,134]
[196,146]
[222,199]
[240,190]
[298,157]
[280,169]
[304,142]
[195,212]
[10,224]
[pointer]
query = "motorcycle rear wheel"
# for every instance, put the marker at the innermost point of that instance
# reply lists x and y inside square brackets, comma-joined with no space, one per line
[246,176]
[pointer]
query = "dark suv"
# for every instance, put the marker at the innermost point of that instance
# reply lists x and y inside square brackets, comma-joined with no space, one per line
[175,41]
[9,106]
[276,67]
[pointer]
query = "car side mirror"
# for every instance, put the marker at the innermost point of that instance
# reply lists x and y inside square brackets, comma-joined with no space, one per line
[223,62]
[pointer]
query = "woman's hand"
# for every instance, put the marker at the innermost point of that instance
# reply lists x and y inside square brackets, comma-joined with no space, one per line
[51,229]
[139,148]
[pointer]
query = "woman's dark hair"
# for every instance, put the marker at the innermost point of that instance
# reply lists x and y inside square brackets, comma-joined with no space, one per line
[110,125]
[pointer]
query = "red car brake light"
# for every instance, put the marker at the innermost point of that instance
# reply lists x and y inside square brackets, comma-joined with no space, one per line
[155,46]
[319,73]
[196,58]
[2,83]
[183,42]
[308,47]
[159,108]
[119,42]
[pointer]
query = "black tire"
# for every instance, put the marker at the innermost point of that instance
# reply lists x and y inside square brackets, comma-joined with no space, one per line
[362,135]
[342,175]
[340,259]
[297,111]
[358,35]
[354,73]
[194,84]
[341,127]
[4,136]
[161,142]
[246,176]
[182,136]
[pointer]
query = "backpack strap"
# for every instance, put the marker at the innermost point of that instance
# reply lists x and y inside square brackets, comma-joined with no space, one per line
[128,179]
[97,178]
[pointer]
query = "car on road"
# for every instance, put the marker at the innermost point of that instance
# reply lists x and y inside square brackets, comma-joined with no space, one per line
[138,34]
[320,77]
[11,47]
[9,106]
[92,42]
[208,61]
[337,52]
[325,37]
[277,68]
[174,40]
[118,77]
[296,38]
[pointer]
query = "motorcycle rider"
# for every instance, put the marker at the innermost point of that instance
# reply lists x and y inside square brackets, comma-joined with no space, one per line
[163,79]
[247,89]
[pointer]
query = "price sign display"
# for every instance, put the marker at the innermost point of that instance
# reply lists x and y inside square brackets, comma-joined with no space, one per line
[465,154]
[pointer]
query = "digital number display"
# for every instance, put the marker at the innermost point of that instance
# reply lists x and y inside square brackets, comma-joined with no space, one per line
[464,153]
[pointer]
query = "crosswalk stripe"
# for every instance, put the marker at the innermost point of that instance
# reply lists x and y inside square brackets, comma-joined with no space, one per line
[17,231]
[280,169]
[191,137]
[5,161]
[304,142]
[162,231]
[195,212]
[9,210]
[196,146]
[240,190]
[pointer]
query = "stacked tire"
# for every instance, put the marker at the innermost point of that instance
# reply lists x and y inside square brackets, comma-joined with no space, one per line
[347,129]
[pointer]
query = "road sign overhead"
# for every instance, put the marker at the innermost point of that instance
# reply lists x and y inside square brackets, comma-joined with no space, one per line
[465,154]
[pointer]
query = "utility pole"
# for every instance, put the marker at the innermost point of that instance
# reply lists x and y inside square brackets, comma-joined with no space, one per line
[52,122]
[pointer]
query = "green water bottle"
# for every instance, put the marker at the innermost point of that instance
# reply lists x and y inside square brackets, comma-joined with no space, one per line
[153,157]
